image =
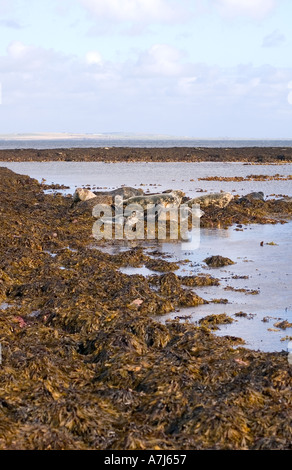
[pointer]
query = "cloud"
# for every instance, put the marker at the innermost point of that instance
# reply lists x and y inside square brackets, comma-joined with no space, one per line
[159,60]
[93,58]
[275,39]
[156,91]
[256,9]
[135,11]
[9,14]
[186,84]
[10,24]
[17,49]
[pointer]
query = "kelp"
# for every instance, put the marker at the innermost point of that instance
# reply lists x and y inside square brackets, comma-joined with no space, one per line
[85,365]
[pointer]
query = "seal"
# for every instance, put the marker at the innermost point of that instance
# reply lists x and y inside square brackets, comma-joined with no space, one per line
[82,194]
[125,191]
[162,199]
[219,200]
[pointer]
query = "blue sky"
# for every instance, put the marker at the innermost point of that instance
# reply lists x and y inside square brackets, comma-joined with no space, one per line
[197,68]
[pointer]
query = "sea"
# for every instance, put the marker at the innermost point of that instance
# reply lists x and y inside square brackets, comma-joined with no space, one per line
[141,143]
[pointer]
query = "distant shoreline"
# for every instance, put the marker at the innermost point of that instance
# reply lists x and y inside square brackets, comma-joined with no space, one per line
[150,154]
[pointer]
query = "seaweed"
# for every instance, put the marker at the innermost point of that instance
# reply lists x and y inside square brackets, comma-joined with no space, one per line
[218,261]
[211,321]
[85,365]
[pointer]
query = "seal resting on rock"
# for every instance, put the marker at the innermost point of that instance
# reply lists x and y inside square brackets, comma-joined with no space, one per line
[163,199]
[97,200]
[219,200]
[82,194]
[126,192]
[259,196]
[166,214]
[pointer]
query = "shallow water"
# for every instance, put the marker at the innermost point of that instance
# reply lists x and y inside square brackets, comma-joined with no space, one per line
[269,272]
[157,176]
[268,267]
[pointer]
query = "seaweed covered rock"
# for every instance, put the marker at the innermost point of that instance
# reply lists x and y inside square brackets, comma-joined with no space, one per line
[201,280]
[218,261]
[211,321]
[84,364]
[161,265]
[169,286]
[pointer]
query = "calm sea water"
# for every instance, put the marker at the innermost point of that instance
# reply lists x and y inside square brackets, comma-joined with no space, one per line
[157,176]
[91,143]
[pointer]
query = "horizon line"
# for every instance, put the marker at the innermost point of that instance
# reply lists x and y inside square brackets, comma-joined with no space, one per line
[121,136]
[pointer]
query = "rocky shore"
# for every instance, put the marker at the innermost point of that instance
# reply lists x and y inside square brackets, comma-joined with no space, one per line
[172,154]
[85,366]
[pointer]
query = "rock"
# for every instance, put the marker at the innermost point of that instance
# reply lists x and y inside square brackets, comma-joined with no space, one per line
[82,194]
[219,200]
[255,196]
[218,261]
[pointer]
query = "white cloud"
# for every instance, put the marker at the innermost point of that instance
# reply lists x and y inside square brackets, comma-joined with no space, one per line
[17,49]
[93,58]
[186,85]
[160,59]
[256,9]
[275,39]
[158,91]
[141,11]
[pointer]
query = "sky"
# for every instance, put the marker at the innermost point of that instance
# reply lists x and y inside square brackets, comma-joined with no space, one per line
[194,68]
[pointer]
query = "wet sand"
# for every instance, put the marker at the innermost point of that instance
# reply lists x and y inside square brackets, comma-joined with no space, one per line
[85,365]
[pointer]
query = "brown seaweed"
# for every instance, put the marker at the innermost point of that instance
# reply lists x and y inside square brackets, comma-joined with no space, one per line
[85,365]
